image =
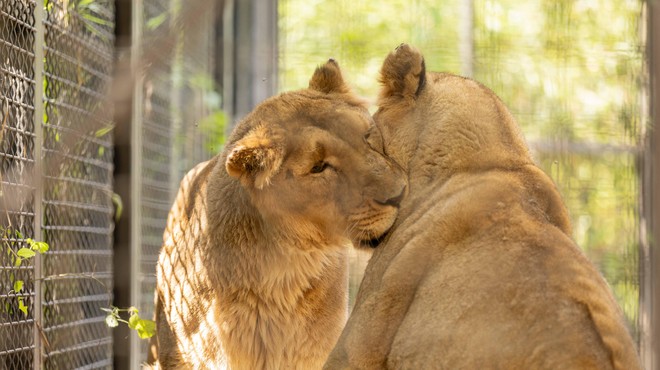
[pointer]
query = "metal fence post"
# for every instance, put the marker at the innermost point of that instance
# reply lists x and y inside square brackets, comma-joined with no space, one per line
[250,46]
[650,201]
[136,169]
[37,308]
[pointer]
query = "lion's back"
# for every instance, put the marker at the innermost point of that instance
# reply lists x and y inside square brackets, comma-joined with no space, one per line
[505,300]
[479,272]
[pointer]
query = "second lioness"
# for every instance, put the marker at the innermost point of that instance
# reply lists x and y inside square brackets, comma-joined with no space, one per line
[253,270]
[480,271]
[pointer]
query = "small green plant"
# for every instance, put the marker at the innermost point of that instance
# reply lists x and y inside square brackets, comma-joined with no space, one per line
[23,254]
[145,328]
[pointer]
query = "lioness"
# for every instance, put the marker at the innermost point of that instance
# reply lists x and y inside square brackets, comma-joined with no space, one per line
[479,270]
[253,270]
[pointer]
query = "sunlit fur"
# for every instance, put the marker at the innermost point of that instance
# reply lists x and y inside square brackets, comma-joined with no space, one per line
[479,271]
[253,270]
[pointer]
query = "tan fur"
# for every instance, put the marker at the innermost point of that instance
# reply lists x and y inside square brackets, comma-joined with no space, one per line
[479,270]
[253,270]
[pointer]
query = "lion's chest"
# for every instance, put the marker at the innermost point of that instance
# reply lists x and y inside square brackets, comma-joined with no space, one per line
[261,333]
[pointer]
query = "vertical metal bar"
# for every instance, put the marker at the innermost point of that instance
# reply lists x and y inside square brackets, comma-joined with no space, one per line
[37,310]
[264,51]
[466,38]
[176,76]
[650,218]
[136,169]
[250,45]
[228,89]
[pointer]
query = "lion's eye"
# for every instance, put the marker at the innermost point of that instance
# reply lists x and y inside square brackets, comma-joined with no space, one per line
[319,167]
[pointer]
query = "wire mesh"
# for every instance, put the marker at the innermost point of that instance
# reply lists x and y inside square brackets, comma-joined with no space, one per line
[17,141]
[75,183]
[77,205]
[156,151]
[172,107]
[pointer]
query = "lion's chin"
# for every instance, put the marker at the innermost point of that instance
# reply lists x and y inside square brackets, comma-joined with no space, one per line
[375,242]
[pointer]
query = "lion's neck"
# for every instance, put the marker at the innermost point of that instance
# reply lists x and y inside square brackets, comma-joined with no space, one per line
[284,292]
[277,262]
[457,142]
[276,287]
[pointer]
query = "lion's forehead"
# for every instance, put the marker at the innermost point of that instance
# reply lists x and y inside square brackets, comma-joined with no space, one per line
[323,129]
[340,120]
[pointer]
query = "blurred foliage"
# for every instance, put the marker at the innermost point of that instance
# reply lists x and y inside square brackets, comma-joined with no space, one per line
[571,71]
[212,125]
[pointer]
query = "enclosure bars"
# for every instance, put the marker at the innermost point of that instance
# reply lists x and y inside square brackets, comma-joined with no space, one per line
[650,255]
[136,168]
[37,308]
[122,176]
[466,35]
[250,55]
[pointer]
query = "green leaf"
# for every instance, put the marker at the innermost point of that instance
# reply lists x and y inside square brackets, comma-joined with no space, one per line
[25,253]
[18,286]
[32,243]
[84,3]
[111,321]
[156,21]
[97,20]
[22,306]
[18,261]
[146,328]
[103,131]
[119,206]
[133,321]
[42,247]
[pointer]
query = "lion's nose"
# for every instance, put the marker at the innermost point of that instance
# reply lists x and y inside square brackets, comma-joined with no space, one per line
[394,201]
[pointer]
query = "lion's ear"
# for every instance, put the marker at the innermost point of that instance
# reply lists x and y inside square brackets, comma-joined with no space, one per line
[403,73]
[257,157]
[328,79]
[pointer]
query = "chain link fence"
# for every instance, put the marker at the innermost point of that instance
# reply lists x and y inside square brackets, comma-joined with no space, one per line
[179,113]
[156,154]
[56,161]
[77,183]
[56,183]
[17,192]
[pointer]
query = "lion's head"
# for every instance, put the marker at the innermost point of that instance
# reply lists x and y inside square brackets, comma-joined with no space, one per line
[438,124]
[313,158]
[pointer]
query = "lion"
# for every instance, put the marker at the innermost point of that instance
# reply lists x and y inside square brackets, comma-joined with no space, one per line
[253,269]
[479,271]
